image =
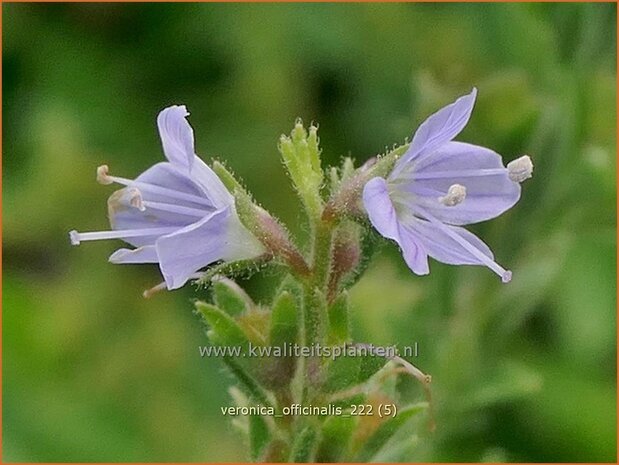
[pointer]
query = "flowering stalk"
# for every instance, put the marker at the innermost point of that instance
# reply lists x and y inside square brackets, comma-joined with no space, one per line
[200,224]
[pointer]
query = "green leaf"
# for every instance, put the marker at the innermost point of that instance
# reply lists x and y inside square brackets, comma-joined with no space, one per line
[224,331]
[338,319]
[304,447]
[348,370]
[335,437]
[230,297]
[284,320]
[247,382]
[278,371]
[258,436]
[386,430]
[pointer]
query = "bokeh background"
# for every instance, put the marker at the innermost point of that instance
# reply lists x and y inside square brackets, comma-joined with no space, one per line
[94,372]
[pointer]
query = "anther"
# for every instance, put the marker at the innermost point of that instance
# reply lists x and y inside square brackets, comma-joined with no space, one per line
[135,198]
[148,293]
[455,195]
[74,236]
[520,168]
[103,176]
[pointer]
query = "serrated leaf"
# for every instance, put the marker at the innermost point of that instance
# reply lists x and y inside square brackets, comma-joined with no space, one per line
[386,431]
[230,297]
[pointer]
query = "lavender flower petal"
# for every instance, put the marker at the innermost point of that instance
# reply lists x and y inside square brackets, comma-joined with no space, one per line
[454,245]
[380,209]
[146,254]
[177,136]
[439,128]
[487,195]
[218,236]
[211,185]
[438,185]
[383,217]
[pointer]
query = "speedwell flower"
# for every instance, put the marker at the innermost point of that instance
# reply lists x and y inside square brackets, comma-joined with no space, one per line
[176,213]
[439,185]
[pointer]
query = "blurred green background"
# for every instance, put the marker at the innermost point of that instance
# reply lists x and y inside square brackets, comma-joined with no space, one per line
[94,372]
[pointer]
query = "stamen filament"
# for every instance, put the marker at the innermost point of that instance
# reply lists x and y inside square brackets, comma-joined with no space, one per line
[77,237]
[459,174]
[506,275]
[104,178]
[168,207]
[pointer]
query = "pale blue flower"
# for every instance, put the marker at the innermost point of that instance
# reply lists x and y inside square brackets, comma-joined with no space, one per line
[176,213]
[439,185]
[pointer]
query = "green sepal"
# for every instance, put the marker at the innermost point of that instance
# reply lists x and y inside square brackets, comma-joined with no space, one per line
[339,325]
[348,168]
[370,243]
[227,177]
[304,446]
[335,438]
[230,297]
[235,269]
[386,431]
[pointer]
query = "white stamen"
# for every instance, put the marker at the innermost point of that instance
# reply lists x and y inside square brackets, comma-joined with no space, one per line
[520,169]
[77,237]
[460,173]
[148,293]
[455,195]
[196,212]
[74,237]
[506,275]
[103,176]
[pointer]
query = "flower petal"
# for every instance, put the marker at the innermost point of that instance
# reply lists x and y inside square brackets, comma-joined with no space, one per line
[177,136]
[455,245]
[210,183]
[146,254]
[167,199]
[380,208]
[439,128]
[383,217]
[413,251]
[166,175]
[489,190]
[218,236]
[442,246]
